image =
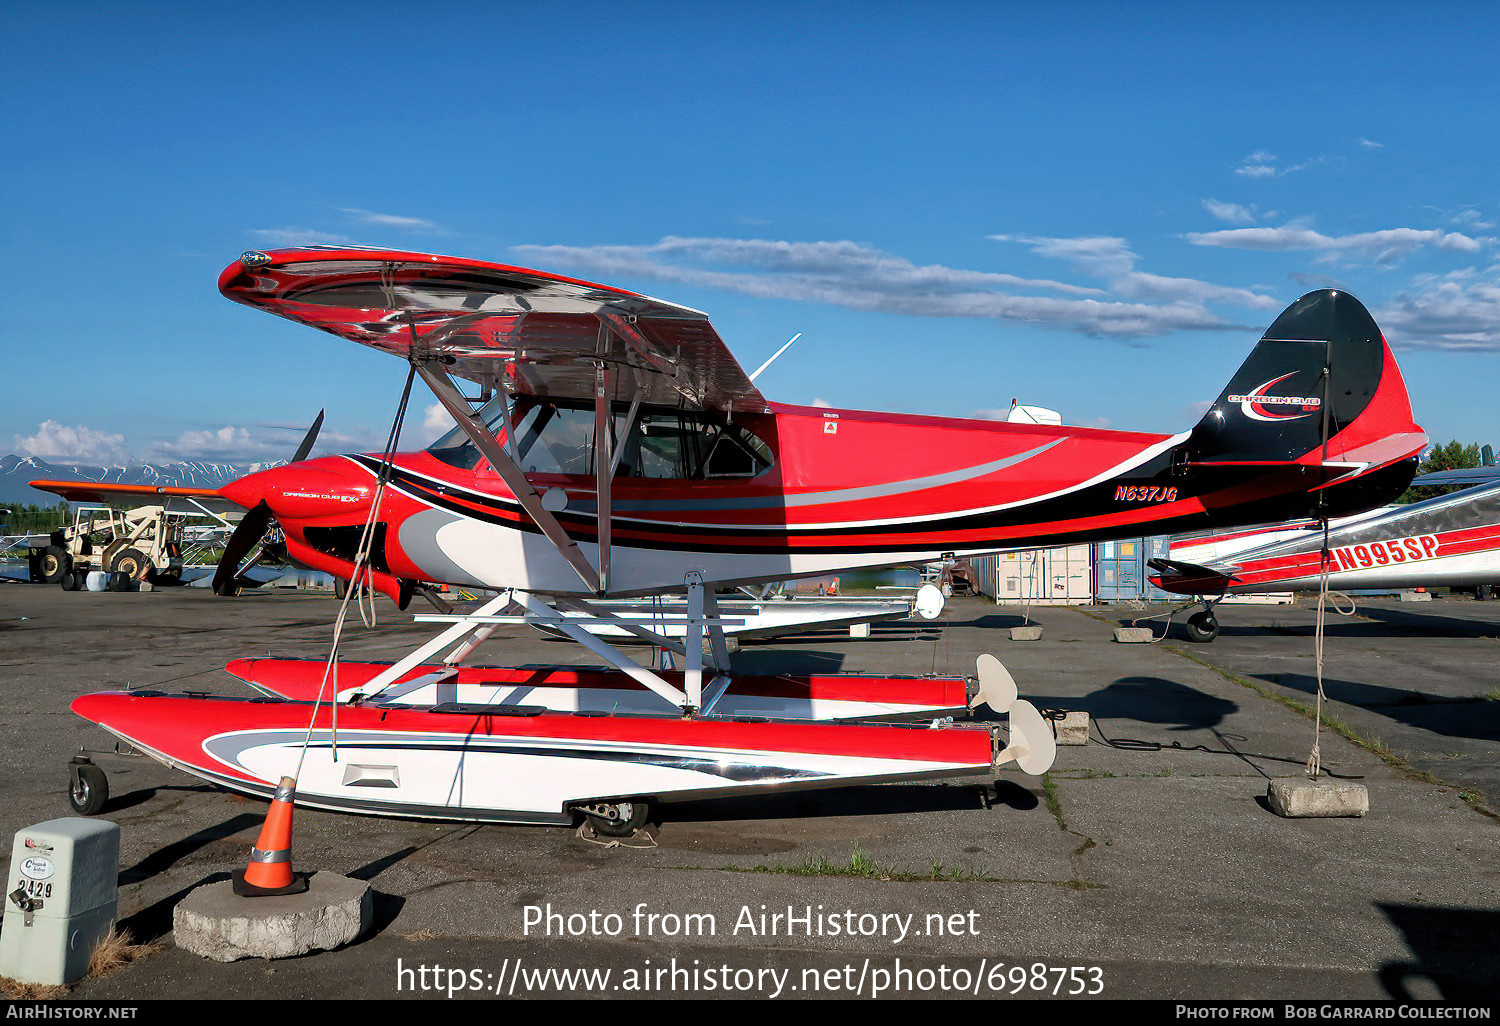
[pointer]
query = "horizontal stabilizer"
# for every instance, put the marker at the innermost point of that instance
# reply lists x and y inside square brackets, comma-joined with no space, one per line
[1190,578]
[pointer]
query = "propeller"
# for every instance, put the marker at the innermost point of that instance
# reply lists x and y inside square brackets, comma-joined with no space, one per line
[308,439]
[251,526]
[254,524]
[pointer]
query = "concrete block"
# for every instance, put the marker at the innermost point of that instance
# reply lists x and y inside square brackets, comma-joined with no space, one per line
[216,923]
[1134,635]
[1415,596]
[1072,729]
[1301,798]
[1031,633]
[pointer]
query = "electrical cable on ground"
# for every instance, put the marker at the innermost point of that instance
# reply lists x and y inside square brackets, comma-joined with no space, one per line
[1135,745]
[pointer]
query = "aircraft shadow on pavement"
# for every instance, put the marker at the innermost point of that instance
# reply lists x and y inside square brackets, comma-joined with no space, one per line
[772,660]
[155,920]
[1452,717]
[994,621]
[1452,949]
[1410,622]
[869,800]
[841,634]
[1153,700]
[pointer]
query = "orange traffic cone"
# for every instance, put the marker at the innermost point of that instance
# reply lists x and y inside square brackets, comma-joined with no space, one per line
[270,868]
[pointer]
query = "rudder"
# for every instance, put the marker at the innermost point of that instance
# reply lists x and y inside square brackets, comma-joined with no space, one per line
[1275,407]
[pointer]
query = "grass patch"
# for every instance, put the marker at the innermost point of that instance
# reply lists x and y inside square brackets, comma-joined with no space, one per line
[1374,746]
[861,866]
[1054,804]
[113,951]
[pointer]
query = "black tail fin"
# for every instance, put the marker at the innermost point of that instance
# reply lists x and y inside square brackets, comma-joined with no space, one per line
[1281,405]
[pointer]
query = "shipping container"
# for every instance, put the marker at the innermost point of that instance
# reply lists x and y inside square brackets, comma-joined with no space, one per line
[1122,570]
[1038,577]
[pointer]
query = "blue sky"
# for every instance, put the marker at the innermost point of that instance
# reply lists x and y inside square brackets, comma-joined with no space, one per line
[1091,207]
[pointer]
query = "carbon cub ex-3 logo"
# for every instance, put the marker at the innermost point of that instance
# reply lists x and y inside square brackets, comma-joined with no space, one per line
[1258,406]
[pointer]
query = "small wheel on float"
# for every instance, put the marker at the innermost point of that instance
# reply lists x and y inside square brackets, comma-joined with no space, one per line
[616,819]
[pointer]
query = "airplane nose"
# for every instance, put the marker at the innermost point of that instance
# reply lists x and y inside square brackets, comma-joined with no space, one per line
[302,491]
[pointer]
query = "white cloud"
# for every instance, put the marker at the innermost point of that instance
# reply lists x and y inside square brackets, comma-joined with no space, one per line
[1261,164]
[1111,259]
[258,443]
[822,404]
[1371,144]
[1379,247]
[860,277]
[1472,220]
[57,442]
[1233,213]
[299,237]
[1455,311]
[436,422]
[410,224]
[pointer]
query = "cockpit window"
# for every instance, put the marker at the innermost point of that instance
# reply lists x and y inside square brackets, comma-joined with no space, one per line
[553,438]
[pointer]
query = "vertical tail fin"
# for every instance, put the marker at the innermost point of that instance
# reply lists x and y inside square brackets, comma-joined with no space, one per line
[1322,375]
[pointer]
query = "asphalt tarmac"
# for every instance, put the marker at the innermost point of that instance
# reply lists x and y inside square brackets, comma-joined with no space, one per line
[1151,867]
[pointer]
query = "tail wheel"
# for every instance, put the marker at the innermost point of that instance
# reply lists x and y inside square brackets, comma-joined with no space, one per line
[56,564]
[1202,627]
[89,789]
[131,562]
[616,819]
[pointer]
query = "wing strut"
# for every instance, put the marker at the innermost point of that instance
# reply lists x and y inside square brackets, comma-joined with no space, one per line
[603,465]
[442,386]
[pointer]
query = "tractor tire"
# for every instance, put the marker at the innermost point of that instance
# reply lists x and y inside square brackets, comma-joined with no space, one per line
[130,562]
[74,580]
[55,564]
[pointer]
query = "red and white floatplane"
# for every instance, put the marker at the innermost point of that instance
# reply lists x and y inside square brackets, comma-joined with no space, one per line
[1449,541]
[613,449]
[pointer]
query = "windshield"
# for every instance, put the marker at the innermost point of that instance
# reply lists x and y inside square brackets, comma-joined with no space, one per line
[553,438]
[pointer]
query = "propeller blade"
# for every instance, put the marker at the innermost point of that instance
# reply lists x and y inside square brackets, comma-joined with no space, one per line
[309,439]
[251,527]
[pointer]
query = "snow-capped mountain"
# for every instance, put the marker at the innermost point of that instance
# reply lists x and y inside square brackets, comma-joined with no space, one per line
[16,471]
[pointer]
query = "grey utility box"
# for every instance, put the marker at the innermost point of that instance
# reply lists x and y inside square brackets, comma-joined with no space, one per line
[61,896]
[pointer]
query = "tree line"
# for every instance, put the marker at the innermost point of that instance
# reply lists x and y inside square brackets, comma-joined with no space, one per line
[33,519]
[1452,456]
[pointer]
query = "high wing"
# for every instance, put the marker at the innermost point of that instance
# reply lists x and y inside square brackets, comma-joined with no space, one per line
[105,491]
[526,332]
